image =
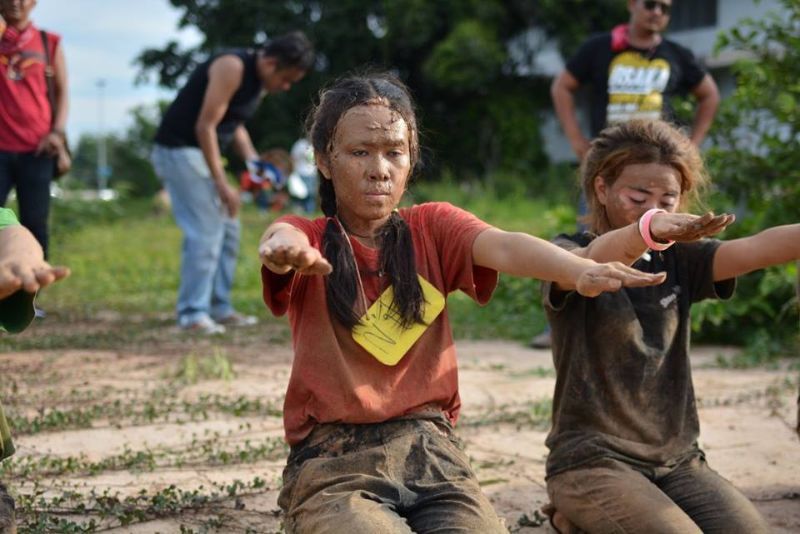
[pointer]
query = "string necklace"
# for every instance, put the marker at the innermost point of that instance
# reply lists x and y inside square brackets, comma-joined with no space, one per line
[350,232]
[347,233]
[361,291]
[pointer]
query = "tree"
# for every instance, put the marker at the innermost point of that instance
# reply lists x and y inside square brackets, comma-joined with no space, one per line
[755,164]
[478,113]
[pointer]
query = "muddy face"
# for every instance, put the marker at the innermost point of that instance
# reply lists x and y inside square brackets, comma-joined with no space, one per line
[638,188]
[369,163]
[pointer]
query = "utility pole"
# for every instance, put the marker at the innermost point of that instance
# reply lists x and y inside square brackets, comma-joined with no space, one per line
[103,171]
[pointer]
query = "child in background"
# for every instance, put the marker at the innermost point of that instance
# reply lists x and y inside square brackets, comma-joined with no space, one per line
[373,392]
[304,176]
[623,446]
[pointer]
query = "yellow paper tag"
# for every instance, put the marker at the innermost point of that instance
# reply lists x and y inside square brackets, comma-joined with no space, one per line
[381,333]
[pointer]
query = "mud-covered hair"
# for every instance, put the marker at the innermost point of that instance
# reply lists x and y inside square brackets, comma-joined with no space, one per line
[639,142]
[394,238]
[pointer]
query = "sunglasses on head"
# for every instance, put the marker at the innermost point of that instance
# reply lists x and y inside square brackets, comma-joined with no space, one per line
[651,5]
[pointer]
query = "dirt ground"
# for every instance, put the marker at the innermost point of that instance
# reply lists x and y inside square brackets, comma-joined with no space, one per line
[120,427]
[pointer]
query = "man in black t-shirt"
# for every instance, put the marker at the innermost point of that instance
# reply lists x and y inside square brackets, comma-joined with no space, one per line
[633,71]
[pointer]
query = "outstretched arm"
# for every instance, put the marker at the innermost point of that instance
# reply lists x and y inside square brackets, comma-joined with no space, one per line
[773,246]
[626,244]
[22,264]
[284,247]
[521,254]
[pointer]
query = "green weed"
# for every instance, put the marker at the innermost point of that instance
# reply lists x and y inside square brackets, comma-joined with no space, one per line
[193,368]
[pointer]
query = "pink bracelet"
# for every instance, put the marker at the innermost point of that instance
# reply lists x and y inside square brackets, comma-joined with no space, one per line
[644,231]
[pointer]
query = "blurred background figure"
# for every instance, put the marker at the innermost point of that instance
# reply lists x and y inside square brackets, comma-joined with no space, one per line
[303,180]
[633,71]
[208,114]
[264,180]
[33,114]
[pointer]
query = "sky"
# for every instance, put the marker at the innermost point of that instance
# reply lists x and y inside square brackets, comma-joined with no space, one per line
[101,38]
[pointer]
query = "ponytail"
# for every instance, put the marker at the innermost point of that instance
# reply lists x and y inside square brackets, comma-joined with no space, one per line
[398,262]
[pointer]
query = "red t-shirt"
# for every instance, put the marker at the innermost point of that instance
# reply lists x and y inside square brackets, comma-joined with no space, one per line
[333,378]
[25,110]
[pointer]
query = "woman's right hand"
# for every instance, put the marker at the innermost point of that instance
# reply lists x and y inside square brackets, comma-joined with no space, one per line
[287,248]
[667,227]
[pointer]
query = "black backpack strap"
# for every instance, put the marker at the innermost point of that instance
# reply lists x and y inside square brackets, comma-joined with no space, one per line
[48,76]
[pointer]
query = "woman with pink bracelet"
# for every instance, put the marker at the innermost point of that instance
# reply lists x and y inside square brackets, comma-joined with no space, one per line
[623,445]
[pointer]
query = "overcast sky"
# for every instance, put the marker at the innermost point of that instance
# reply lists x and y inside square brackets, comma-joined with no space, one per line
[101,38]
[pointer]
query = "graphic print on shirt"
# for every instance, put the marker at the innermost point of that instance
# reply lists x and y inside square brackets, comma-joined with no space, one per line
[16,56]
[635,87]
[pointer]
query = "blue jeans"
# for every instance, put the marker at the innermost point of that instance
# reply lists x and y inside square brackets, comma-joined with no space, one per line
[30,174]
[210,235]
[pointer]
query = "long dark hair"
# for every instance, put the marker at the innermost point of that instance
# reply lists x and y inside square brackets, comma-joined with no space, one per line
[394,238]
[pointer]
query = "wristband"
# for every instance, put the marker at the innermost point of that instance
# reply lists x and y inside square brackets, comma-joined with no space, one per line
[644,231]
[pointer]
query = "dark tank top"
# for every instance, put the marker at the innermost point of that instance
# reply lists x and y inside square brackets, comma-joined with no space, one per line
[177,128]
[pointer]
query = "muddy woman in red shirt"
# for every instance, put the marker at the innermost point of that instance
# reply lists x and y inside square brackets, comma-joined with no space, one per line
[373,393]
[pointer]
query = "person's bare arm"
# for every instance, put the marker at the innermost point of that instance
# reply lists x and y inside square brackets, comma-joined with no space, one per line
[284,248]
[243,144]
[626,244]
[521,254]
[772,246]
[707,96]
[22,264]
[224,78]
[562,91]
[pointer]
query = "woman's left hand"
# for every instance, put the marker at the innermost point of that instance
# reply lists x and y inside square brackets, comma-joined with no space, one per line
[612,276]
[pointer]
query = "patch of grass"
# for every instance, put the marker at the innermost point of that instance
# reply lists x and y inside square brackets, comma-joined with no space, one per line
[126,258]
[534,414]
[209,451]
[761,350]
[216,366]
[40,513]
[160,406]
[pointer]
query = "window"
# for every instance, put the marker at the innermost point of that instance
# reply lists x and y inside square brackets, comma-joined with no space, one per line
[691,14]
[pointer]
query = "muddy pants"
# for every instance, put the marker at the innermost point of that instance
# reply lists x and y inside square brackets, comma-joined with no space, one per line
[401,476]
[613,496]
[7,520]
